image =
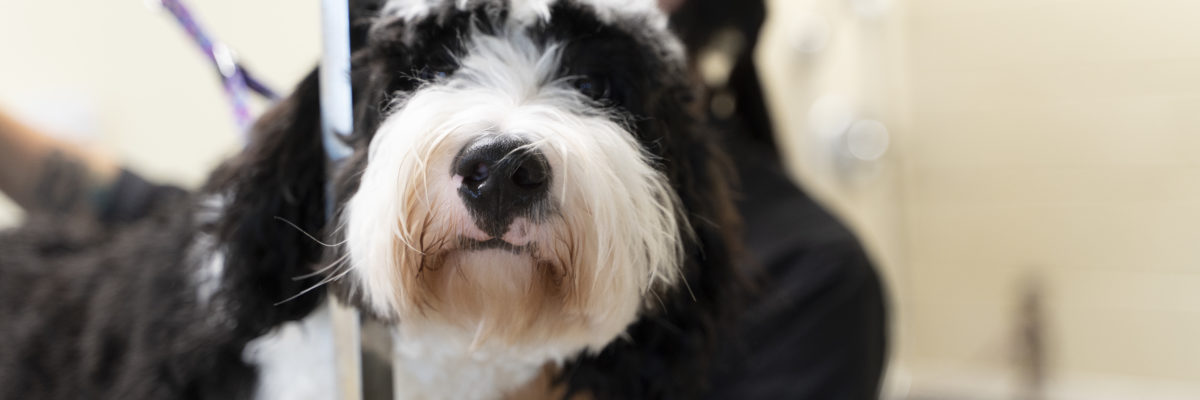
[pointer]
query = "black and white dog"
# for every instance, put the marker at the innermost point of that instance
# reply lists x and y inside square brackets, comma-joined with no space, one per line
[532,205]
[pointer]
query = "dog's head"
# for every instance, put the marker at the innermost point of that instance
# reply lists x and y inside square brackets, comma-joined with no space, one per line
[514,182]
[526,172]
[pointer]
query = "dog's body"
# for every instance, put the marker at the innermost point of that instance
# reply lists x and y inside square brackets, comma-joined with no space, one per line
[529,195]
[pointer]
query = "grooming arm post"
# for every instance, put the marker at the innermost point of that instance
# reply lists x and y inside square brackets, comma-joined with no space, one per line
[337,109]
[336,120]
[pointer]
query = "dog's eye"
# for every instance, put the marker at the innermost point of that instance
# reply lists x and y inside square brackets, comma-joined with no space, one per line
[430,74]
[596,87]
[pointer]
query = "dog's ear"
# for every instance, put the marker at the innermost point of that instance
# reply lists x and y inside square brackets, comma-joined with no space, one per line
[705,180]
[276,182]
[668,349]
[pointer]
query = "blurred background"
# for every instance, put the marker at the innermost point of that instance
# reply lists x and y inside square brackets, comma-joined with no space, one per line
[1025,172]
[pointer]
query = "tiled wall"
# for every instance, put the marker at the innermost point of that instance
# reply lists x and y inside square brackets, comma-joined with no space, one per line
[1046,143]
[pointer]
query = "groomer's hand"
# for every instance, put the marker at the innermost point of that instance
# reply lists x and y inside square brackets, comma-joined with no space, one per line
[42,173]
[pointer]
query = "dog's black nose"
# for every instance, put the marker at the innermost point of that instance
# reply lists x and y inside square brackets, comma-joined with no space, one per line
[502,178]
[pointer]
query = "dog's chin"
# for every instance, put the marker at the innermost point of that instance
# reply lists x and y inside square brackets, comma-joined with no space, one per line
[496,289]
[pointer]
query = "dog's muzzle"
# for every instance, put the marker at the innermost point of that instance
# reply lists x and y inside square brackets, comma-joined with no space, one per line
[502,178]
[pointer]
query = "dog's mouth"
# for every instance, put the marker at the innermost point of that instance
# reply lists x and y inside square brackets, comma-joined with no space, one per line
[469,244]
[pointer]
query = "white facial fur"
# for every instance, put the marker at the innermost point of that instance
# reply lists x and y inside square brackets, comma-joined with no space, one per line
[613,235]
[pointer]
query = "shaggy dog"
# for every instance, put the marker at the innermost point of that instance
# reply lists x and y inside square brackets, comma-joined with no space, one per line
[532,205]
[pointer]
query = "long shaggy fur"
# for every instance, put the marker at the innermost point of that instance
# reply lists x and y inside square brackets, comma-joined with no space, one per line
[613,210]
[621,281]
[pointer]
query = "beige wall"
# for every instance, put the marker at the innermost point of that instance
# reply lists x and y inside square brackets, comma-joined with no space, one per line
[124,78]
[1033,141]
[1058,140]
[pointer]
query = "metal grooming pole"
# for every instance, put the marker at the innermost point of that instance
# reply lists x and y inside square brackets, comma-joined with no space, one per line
[337,119]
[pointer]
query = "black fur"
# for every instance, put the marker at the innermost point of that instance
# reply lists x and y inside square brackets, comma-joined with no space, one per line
[111,314]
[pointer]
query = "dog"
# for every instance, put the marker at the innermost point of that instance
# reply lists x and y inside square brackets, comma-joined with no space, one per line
[534,204]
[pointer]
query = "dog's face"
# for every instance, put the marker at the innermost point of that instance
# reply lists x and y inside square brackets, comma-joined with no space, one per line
[514,180]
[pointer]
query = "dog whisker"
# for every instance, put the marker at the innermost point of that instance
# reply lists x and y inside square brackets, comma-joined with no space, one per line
[331,265]
[318,285]
[310,236]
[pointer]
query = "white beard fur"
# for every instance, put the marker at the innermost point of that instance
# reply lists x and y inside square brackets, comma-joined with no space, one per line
[439,364]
